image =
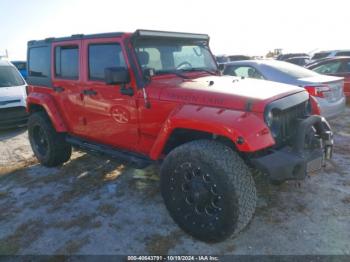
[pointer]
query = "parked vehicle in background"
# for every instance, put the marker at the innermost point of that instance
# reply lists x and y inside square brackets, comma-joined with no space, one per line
[222,59]
[328,90]
[299,60]
[337,66]
[21,67]
[329,54]
[158,96]
[12,97]
[284,57]
[238,57]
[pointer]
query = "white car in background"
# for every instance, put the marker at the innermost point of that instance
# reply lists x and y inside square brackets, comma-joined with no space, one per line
[12,97]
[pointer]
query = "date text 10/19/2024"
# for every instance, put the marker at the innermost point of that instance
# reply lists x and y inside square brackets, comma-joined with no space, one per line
[172,258]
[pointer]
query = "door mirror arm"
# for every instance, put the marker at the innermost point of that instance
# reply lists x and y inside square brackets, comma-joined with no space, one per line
[128,91]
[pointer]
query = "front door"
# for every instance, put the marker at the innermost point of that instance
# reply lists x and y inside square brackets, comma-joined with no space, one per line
[110,117]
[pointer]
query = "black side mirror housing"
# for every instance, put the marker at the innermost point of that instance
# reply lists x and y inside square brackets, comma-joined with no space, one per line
[221,67]
[148,73]
[117,76]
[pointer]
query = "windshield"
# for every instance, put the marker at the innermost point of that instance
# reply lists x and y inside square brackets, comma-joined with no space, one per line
[173,56]
[292,70]
[9,76]
[20,65]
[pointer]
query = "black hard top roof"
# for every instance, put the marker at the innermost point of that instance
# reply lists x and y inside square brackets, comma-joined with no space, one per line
[74,37]
[138,34]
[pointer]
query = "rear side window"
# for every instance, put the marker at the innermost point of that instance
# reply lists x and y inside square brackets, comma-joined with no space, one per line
[9,76]
[102,56]
[343,53]
[67,62]
[328,68]
[39,62]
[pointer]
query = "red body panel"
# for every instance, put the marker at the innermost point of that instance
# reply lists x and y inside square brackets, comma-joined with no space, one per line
[347,86]
[44,99]
[228,123]
[223,106]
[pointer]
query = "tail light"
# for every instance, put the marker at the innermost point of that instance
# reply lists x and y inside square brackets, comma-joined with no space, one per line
[315,107]
[319,91]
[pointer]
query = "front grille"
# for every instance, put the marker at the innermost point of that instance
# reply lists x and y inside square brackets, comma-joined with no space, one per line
[288,119]
[12,113]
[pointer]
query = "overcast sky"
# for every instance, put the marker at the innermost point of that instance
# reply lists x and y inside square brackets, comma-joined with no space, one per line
[236,27]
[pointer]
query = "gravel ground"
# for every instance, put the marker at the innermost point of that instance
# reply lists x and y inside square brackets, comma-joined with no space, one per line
[93,205]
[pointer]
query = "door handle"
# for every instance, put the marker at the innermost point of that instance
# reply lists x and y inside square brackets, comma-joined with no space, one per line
[89,92]
[58,89]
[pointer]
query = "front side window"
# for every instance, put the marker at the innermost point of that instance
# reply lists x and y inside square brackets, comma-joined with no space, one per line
[9,76]
[243,71]
[166,56]
[67,62]
[328,68]
[39,62]
[102,56]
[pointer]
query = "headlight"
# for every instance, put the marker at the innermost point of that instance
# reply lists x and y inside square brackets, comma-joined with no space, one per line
[269,118]
[308,107]
[272,120]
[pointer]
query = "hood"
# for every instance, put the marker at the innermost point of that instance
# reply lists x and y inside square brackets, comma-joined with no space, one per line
[11,96]
[226,92]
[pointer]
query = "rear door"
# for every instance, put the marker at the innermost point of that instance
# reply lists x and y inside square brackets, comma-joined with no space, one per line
[66,82]
[110,117]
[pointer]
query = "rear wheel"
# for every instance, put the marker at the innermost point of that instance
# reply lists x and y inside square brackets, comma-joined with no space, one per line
[208,190]
[49,146]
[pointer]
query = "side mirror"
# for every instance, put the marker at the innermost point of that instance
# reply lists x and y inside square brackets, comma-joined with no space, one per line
[116,75]
[221,67]
[148,73]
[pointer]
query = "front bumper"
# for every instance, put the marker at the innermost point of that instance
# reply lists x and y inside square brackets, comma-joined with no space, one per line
[13,117]
[296,161]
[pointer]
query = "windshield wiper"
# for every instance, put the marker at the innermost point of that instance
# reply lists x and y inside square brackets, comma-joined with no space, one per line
[200,69]
[175,72]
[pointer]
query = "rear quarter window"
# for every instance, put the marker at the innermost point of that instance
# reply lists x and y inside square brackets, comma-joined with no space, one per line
[39,62]
[39,65]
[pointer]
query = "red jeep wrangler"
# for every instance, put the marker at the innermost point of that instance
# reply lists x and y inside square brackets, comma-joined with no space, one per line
[158,96]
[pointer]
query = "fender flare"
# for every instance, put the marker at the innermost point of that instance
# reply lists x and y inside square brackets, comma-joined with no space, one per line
[48,103]
[232,124]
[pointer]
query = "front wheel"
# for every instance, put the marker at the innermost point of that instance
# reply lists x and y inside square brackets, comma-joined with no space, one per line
[208,190]
[49,146]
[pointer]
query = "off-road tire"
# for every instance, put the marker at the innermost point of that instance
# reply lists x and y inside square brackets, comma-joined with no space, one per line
[206,160]
[54,151]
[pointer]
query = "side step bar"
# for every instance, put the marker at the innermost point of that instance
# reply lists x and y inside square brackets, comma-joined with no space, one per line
[140,161]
